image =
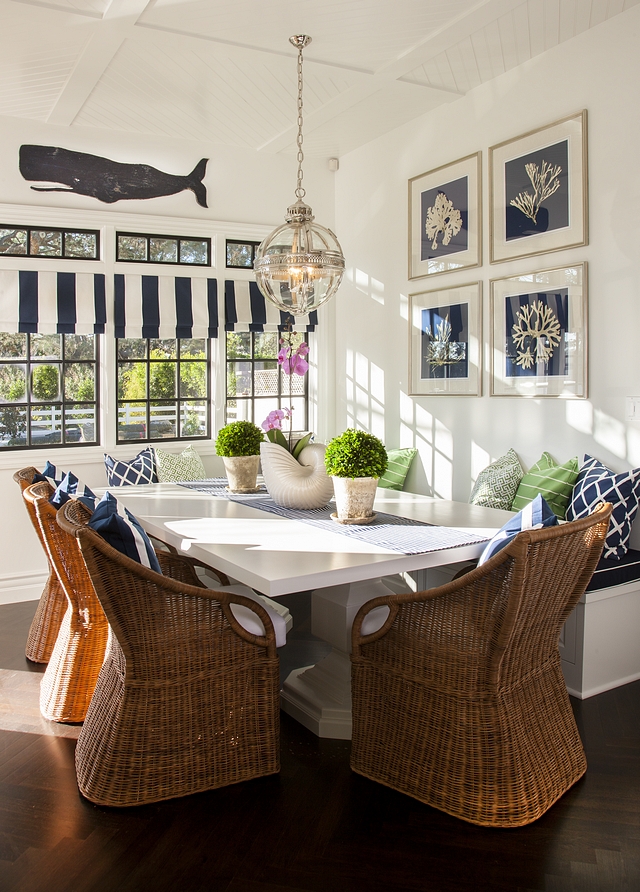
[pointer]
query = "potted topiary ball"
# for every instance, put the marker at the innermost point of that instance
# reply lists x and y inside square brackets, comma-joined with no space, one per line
[238,444]
[355,461]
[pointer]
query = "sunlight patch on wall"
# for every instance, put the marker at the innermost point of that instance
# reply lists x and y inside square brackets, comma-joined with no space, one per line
[480,458]
[610,433]
[579,415]
[633,446]
[364,389]
[366,284]
[404,307]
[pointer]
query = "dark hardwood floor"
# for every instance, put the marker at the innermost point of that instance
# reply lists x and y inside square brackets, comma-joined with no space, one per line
[316,827]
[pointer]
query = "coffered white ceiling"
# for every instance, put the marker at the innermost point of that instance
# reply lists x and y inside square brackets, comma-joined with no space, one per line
[224,71]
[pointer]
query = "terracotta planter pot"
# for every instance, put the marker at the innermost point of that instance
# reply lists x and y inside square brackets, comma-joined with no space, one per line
[242,472]
[354,499]
[296,483]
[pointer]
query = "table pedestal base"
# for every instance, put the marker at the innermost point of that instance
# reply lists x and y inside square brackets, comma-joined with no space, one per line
[319,697]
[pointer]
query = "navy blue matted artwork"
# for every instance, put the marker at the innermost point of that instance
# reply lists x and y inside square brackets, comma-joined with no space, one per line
[444,342]
[536,334]
[444,219]
[537,191]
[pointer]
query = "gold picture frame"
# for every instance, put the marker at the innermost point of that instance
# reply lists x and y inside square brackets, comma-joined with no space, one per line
[538,191]
[445,341]
[445,216]
[539,334]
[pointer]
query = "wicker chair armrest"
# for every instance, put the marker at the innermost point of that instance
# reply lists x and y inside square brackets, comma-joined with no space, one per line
[90,542]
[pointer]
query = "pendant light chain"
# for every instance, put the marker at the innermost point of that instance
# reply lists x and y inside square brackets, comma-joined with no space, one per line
[300,191]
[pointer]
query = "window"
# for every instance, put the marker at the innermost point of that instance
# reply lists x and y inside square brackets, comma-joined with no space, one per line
[256,384]
[48,390]
[32,241]
[240,255]
[134,247]
[163,389]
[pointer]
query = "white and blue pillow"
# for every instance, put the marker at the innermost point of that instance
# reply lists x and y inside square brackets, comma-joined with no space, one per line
[534,516]
[596,484]
[123,532]
[51,474]
[141,469]
[72,488]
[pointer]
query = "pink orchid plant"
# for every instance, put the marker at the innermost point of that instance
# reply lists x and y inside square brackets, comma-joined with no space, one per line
[293,362]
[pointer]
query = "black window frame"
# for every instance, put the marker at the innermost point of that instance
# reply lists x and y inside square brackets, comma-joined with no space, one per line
[30,403]
[148,361]
[239,241]
[63,231]
[282,396]
[179,238]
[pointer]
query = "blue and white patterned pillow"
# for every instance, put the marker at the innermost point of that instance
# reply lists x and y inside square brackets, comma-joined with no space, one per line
[141,469]
[123,532]
[51,474]
[72,488]
[534,516]
[596,484]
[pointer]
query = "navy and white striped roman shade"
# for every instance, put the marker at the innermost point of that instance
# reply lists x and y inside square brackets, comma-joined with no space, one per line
[49,302]
[165,307]
[246,309]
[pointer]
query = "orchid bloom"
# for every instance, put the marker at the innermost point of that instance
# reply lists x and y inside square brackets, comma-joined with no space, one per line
[293,362]
[274,419]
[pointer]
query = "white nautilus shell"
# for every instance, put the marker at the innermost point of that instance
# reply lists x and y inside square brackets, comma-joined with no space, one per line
[296,483]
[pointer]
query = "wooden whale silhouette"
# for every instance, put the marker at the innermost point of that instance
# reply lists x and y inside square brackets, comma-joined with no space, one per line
[104,179]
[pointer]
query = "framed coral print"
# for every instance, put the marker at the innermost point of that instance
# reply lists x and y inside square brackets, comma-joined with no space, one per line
[445,341]
[539,334]
[444,218]
[538,191]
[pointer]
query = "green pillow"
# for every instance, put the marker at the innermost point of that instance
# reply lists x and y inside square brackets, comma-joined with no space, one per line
[398,464]
[555,483]
[173,468]
[496,486]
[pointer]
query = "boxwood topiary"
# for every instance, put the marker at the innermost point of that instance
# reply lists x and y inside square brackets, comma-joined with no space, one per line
[355,454]
[239,438]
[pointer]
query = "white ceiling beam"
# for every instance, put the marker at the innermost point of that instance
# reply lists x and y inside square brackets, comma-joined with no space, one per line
[108,35]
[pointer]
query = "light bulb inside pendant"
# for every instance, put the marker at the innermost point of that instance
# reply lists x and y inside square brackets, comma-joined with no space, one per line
[299,265]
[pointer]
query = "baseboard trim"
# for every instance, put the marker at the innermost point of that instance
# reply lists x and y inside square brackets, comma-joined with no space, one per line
[15,587]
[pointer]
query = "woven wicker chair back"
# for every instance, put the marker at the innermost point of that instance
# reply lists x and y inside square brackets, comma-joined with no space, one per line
[70,678]
[469,676]
[187,700]
[52,606]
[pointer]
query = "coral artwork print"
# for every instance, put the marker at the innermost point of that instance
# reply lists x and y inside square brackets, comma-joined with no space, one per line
[537,192]
[538,336]
[442,219]
[445,338]
[544,182]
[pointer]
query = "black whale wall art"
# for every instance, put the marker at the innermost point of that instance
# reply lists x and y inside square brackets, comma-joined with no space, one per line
[103,179]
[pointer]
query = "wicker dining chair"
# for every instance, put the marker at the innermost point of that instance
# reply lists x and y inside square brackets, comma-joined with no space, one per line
[76,659]
[186,700]
[459,698]
[52,605]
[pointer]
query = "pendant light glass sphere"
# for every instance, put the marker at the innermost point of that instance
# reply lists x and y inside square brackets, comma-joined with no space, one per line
[299,265]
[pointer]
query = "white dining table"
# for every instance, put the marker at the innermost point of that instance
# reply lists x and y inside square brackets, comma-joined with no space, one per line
[277,556]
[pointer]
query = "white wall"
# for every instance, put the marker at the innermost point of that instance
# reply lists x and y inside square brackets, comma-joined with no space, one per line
[248,194]
[457,436]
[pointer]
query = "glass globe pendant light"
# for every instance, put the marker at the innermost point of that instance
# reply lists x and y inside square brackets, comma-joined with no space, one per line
[299,265]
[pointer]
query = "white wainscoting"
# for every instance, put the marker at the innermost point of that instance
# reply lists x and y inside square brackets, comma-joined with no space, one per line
[16,587]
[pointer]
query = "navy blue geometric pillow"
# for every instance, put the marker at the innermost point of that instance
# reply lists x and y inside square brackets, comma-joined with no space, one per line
[534,516]
[51,474]
[123,532]
[141,469]
[596,484]
[72,488]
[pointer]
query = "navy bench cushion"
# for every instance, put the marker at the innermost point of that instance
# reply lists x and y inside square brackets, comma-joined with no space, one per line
[616,572]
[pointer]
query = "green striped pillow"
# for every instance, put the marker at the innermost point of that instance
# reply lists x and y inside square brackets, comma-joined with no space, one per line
[555,483]
[398,464]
